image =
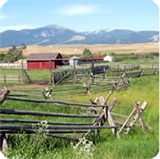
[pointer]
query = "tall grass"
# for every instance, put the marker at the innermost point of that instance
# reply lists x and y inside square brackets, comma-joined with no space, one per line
[136,144]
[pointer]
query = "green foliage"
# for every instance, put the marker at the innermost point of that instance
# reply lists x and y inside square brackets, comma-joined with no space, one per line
[87,53]
[112,53]
[2,55]
[13,54]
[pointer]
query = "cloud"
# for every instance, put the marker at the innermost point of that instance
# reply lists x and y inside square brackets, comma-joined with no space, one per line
[2,2]
[2,17]
[17,27]
[78,10]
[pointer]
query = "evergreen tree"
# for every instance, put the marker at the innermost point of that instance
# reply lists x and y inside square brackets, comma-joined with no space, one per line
[14,53]
[87,53]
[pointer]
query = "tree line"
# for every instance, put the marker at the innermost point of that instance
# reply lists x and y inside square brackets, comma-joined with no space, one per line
[13,54]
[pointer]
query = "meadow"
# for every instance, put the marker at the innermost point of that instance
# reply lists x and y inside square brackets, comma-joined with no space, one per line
[137,144]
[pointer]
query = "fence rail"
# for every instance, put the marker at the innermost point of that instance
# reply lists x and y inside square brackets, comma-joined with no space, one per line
[13,66]
[10,78]
[84,128]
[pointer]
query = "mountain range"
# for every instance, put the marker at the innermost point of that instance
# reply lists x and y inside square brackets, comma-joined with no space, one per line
[55,34]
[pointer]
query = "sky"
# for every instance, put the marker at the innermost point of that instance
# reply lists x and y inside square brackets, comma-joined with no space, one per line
[80,15]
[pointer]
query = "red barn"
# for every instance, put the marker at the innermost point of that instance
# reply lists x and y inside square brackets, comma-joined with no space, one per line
[41,61]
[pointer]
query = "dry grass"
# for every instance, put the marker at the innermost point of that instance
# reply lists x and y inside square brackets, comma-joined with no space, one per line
[99,48]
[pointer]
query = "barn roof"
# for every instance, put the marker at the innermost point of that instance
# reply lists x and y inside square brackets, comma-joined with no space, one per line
[43,56]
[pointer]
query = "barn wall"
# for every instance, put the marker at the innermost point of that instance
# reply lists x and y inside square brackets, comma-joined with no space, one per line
[40,65]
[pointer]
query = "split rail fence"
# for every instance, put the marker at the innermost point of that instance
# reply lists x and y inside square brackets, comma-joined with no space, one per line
[53,128]
[100,111]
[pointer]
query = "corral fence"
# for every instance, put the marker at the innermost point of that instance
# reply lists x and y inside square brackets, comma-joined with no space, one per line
[11,78]
[99,110]
[13,65]
[53,128]
[121,72]
[58,77]
[126,67]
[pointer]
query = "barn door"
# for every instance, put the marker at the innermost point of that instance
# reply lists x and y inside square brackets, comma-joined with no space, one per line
[40,65]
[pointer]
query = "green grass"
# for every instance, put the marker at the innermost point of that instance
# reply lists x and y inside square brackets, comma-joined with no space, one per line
[136,144]
[35,75]
[133,62]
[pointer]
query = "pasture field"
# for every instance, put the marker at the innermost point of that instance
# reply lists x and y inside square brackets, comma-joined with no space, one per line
[137,144]
[45,74]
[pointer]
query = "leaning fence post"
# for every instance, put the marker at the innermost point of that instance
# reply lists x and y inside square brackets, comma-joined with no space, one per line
[141,73]
[87,89]
[92,77]
[155,71]
[140,117]
[3,142]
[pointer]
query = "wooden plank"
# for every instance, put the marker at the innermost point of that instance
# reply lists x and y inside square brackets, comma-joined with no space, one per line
[105,110]
[43,131]
[20,112]
[89,131]
[121,123]
[139,115]
[96,121]
[40,121]
[107,98]
[119,115]
[21,127]
[136,117]
[126,122]
[111,123]
[3,94]
[111,106]
[57,102]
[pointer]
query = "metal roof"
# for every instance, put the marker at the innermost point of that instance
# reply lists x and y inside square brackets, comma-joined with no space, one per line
[43,56]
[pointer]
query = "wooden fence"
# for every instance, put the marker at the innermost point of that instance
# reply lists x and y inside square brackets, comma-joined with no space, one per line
[13,66]
[58,77]
[10,78]
[101,112]
[52,127]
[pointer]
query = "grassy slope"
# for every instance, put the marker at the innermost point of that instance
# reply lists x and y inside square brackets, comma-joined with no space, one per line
[135,145]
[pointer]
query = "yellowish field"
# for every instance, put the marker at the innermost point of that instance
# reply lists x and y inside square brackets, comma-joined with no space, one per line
[99,48]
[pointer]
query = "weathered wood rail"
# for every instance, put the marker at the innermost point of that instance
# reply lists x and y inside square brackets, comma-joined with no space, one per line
[131,119]
[99,109]
[65,127]
[58,77]
[117,74]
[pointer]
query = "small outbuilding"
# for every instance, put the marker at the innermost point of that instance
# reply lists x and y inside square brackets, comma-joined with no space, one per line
[75,59]
[109,58]
[43,61]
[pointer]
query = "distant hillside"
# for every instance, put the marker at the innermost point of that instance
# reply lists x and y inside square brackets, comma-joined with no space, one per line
[96,49]
[53,34]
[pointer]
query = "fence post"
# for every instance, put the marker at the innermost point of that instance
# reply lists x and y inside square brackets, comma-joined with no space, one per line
[5,78]
[141,73]
[19,78]
[22,73]
[53,81]
[3,142]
